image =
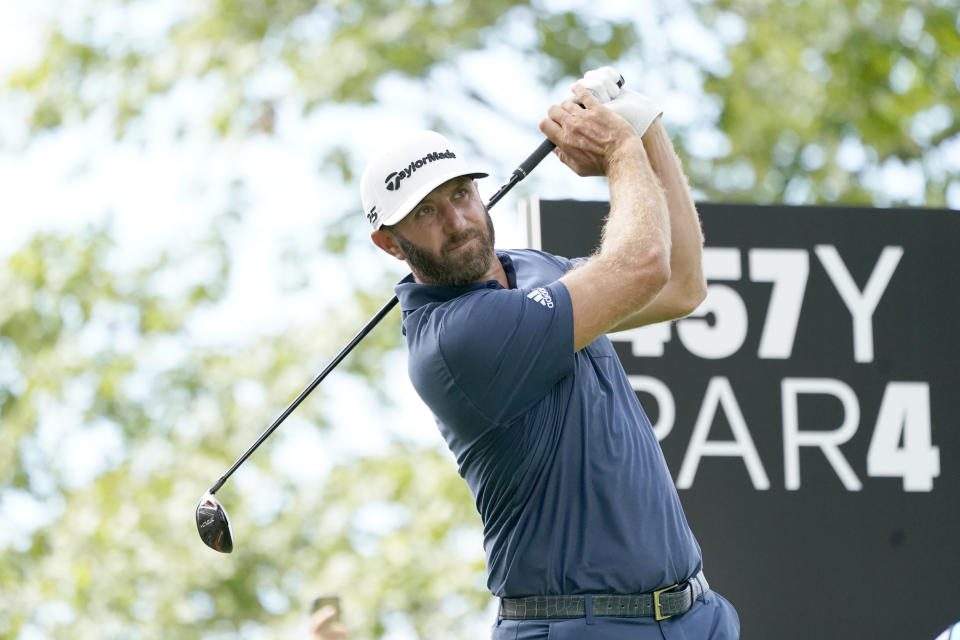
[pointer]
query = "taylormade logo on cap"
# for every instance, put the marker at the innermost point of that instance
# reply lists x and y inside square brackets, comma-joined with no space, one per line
[405,171]
[393,180]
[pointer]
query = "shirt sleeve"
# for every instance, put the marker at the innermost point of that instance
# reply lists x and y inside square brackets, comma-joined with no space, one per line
[507,348]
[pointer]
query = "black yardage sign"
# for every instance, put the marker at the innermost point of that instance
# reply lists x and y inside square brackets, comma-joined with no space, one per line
[806,411]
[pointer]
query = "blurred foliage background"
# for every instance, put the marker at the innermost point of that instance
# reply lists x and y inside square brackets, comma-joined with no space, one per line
[131,378]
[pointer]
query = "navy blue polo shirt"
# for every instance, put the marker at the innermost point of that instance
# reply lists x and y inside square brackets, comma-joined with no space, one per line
[567,474]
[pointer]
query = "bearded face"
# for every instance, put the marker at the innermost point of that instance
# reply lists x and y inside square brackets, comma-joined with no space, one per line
[463,258]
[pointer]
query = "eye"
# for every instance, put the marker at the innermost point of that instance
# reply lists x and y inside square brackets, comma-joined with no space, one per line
[461,192]
[424,210]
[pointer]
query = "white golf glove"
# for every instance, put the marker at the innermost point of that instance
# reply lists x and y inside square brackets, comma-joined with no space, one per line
[602,83]
[637,109]
[633,107]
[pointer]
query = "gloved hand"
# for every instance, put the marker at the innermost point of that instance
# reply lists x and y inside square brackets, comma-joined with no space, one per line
[635,108]
[602,83]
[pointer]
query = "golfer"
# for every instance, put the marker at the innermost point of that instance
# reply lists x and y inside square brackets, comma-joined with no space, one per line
[583,529]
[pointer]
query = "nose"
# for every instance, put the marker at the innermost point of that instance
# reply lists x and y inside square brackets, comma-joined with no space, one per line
[453,217]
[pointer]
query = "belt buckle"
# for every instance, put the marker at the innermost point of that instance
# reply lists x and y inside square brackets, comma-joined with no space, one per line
[657,611]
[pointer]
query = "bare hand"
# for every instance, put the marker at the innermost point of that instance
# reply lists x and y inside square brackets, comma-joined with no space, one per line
[588,137]
[323,625]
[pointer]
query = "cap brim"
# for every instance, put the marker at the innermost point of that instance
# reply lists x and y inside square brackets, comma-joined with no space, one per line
[411,201]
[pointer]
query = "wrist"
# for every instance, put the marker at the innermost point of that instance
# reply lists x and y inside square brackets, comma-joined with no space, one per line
[656,130]
[627,152]
[659,147]
[655,138]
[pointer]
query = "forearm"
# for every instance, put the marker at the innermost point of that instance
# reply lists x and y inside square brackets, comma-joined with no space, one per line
[633,263]
[686,288]
[637,231]
[686,254]
[649,265]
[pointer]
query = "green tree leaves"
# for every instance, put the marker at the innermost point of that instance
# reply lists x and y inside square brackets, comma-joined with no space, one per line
[154,420]
[820,95]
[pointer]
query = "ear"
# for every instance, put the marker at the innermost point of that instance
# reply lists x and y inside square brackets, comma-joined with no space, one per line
[384,239]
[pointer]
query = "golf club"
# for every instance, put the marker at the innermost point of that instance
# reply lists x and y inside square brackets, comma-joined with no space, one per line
[212,521]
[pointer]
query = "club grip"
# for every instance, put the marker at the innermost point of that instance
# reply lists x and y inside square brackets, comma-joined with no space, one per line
[534,158]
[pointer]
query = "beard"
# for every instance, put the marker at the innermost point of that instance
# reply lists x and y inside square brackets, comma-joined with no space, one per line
[467,267]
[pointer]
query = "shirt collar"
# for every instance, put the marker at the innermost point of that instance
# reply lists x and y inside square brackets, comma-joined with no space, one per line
[413,294]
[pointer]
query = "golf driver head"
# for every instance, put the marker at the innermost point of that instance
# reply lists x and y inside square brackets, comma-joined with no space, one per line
[214,525]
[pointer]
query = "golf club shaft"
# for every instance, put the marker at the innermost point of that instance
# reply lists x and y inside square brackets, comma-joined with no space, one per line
[522,171]
[519,174]
[303,394]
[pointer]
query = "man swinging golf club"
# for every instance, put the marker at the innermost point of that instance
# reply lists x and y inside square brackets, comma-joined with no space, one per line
[583,529]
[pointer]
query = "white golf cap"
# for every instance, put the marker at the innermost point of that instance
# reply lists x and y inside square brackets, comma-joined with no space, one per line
[403,173]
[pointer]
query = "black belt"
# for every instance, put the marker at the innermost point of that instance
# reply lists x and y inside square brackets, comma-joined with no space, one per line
[660,604]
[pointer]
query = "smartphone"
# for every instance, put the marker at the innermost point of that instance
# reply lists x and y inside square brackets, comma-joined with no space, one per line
[327,601]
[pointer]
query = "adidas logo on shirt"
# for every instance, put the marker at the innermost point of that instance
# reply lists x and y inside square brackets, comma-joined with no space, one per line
[542,296]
